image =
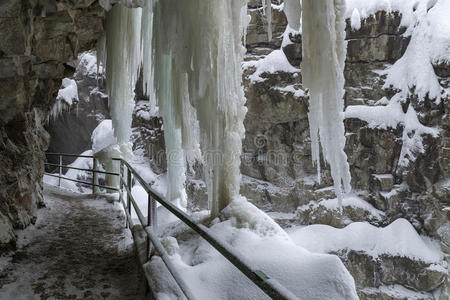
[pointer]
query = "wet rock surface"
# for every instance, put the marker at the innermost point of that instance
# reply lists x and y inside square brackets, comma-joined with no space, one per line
[78,249]
[38,42]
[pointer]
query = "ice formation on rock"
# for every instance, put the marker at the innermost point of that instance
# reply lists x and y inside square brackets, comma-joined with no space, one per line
[268,11]
[324,51]
[191,66]
[66,95]
[197,83]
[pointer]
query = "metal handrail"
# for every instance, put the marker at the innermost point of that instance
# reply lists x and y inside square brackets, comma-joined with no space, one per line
[94,171]
[83,169]
[268,285]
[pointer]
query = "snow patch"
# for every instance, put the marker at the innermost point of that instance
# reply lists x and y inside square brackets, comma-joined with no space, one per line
[245,229]
[103,136]
[430,43]
[274,62]
[87,64]
[348,200]
[397,292]
[67,94]
[298,92]
[391,116]
[397,239]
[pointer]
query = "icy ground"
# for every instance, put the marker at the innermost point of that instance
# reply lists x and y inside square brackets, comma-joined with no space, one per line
[79,248]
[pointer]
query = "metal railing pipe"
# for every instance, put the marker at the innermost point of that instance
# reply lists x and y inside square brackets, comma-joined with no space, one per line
[94,175]
[69,154]
[83,182]
[168,262]
[270,286]
[130,198]
[60,170]
[83,169]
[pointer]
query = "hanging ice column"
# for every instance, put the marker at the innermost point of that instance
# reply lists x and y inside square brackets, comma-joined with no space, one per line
[121,57]
[324,51]
[197,74]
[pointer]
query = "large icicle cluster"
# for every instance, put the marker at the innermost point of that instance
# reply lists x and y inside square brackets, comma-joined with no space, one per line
[197,68]
[120,53]
[324,51]
[122,62]
[191,53]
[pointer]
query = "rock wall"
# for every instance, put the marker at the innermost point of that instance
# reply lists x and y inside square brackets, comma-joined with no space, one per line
[278,175]
[38,41]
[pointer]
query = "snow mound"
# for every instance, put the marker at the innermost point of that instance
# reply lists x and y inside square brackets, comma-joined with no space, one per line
[275,61]
[243,214]
[348,201]
[68,92]
[266,247]
[103,136]
[397,239]
[87,64]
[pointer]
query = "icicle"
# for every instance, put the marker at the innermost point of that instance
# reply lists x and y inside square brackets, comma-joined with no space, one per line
[147,48]
[324,50]
[122,64]
[172,133]
[293,11]
[269,19]
[121,61]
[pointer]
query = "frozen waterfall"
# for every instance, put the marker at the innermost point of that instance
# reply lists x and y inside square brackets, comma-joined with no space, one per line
[191,68]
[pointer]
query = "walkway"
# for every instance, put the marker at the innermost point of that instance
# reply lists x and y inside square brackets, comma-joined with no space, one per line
[78,249]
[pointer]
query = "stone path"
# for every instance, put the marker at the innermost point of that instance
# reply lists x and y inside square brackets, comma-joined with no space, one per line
[78,249]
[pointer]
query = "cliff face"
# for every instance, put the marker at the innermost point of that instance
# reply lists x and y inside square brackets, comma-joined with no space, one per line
[38,41]
[401,173]
[277,146]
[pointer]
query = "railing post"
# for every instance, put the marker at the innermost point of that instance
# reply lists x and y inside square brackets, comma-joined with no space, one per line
[94,175]
[60,170]
[151,221]
[129,189]
[121,188]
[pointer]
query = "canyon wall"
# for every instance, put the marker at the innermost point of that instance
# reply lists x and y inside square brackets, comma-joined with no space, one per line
[38,42]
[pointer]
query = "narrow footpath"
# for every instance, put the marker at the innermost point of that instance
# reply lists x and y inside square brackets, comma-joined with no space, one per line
[79,248]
